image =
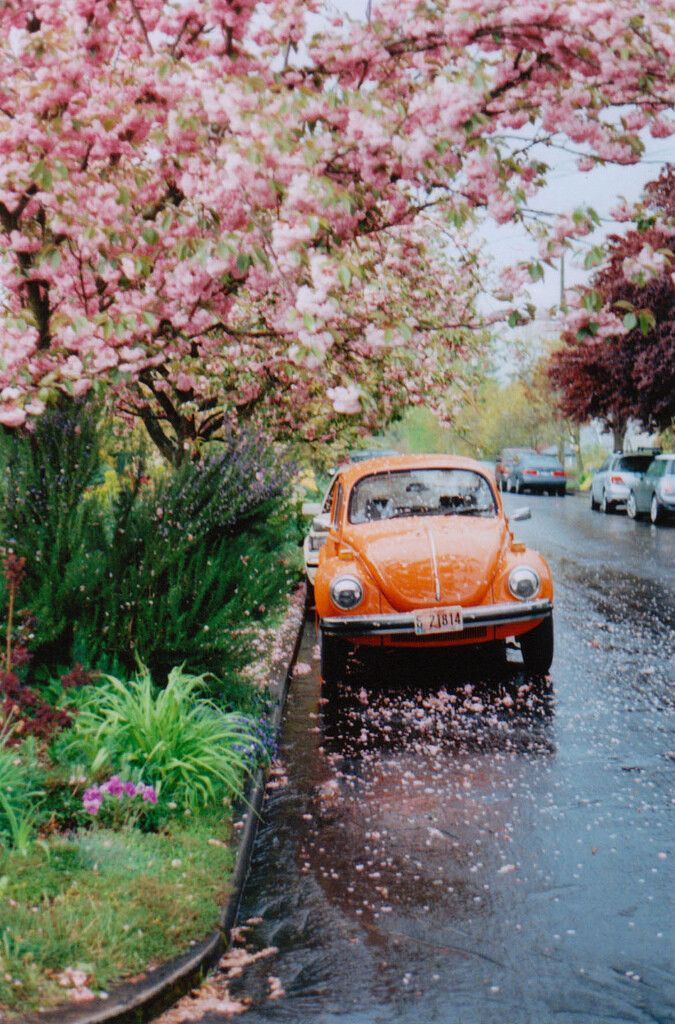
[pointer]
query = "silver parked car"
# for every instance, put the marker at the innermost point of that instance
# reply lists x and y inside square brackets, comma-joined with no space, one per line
[654,494]
[611,485]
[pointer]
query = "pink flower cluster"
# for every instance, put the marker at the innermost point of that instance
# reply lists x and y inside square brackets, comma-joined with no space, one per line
[94,796]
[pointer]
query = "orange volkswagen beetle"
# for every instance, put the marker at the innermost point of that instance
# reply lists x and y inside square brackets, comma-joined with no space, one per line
[419,553]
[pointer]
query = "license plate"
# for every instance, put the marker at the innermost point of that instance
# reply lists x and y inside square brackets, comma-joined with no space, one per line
[438,620]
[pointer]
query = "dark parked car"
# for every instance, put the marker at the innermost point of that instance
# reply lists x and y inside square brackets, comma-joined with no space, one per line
[505,462]
[654,494]
[532,472]
[611,485]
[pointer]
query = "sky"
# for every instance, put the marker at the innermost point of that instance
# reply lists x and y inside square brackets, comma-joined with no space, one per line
[569,188]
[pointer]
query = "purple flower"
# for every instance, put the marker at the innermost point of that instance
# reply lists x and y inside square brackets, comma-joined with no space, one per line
[92,800]
[113,786]
[129,789]
[149,795]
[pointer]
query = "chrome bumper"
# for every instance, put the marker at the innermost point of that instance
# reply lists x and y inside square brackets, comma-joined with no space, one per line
[404,622]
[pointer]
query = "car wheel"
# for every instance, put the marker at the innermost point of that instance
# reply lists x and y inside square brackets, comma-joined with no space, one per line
[516,485]
[536,648]
[631,507]
[334,654]
[594,504]
[655,510]
[562,491]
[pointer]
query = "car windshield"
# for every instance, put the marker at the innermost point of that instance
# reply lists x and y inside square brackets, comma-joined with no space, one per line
[541,461]
[417,492]
[634,463]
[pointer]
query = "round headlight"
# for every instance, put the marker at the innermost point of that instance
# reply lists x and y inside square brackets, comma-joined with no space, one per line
[523,582]
[346,592]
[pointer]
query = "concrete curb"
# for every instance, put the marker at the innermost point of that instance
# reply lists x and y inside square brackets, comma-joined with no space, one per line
[138,1002]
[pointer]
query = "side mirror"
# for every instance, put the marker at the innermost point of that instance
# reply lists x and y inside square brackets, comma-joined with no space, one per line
[311,508]
[321,523]
[521,513]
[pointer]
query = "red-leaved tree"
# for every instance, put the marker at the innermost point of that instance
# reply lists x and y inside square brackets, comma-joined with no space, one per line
[628,374]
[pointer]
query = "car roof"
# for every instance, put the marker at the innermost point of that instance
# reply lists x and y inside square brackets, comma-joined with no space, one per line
[355,471]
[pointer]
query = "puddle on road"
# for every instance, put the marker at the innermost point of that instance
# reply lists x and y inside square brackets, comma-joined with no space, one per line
[454,852]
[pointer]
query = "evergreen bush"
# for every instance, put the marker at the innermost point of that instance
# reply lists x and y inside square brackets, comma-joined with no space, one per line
[165,570]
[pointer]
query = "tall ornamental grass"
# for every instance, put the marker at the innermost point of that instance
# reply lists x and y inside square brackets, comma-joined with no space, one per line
[19,792]
[193,754]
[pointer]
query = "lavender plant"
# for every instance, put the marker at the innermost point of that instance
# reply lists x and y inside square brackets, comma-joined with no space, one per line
[189,561]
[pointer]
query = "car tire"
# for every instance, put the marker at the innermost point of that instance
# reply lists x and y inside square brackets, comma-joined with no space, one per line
[655,511]
[562,491]
[594,504]
[631,507]
[516,485]
[536,647]
[334,654]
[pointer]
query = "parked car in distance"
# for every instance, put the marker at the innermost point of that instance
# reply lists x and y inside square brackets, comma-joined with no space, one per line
[532,472]
[419,553]
[611,484]
[505,461]
[654,493]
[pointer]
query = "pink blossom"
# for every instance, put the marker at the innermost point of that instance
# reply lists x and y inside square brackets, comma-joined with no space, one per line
[12,416]
[647,264]
[345,399]
[623,211]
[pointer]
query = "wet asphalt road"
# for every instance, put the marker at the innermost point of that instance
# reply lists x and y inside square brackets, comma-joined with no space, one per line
[454,844]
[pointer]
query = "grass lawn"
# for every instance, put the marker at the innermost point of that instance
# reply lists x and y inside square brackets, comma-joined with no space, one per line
[80,912]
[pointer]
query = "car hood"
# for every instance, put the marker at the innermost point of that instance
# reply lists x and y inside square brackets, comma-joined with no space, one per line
[437,560]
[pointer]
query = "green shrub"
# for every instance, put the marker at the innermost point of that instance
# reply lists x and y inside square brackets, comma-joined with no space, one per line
[45,518]
[165,570]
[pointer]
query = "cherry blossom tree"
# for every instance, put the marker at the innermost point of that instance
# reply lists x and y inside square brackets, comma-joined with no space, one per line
[628,374]
[212,210]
